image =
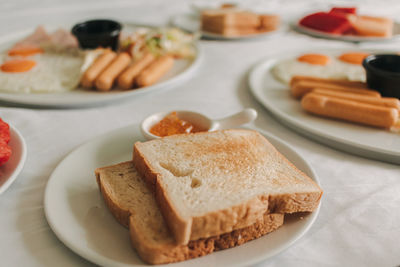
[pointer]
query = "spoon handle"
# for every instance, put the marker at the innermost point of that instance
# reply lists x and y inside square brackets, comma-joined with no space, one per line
[245,116]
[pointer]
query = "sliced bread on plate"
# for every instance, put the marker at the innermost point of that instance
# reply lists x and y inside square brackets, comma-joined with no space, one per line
[133,205]
[211,183]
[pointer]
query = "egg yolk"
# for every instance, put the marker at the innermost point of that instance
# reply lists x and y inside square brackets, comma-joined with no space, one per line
[354,57]
[315,59]
[18,65]
[25,51]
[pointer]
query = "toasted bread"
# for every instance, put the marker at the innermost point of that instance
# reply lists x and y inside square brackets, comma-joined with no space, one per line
[133,206]
[237,31]
[269,22]
[212,183]
[233,22]
[230,18]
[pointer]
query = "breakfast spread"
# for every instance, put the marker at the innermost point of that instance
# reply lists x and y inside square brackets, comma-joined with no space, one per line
[55,62]
[210,201]
[233,22]
[192,192]
[172,124]
[346,21]
[5,149]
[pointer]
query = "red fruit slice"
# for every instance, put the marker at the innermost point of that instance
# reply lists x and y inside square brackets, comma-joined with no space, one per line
[345,10]
[4,136]
[5,153]
[4,131]
[5,149]
[335,23]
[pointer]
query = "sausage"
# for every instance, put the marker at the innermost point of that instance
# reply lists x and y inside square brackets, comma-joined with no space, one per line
[106,79]
[96,68]
[126,79]
[348,110]
[390,102]
[155,71]
[298,78]
[303,87]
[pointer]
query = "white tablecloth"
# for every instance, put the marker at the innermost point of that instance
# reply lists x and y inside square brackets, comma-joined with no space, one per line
[359,222]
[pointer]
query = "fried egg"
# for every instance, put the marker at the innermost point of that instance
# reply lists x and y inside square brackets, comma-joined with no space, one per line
[346,66]
[37,71]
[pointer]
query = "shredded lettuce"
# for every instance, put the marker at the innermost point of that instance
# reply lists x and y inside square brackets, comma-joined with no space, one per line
[161,41]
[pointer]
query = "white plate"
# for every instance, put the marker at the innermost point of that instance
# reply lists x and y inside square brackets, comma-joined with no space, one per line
[191,23]
[182,70]
[78,216]
[349,38]
[200,6]
[10,170]
[356,139]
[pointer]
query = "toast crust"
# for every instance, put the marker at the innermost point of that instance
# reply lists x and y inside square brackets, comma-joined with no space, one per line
[226,220]
[167,251]
[170,253]
[120,214]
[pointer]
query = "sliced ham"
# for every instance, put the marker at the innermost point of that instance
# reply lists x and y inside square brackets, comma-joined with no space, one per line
[60,39]
[35,39]
[64,38]
[371,26]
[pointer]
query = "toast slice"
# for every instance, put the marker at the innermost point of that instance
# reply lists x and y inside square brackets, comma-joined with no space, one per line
[211,183]
[235,22]
[269,22]
[234,32]
[133,205]
[222,18]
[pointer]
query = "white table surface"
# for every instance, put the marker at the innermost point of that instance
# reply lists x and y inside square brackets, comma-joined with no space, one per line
[359,222]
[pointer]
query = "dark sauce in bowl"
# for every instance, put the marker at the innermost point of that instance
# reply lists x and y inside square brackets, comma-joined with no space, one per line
[98,33]
[383,74]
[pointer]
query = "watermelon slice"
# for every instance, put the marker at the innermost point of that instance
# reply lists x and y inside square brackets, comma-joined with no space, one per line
[5,149]
[5,153]
[344,10]
[334,23]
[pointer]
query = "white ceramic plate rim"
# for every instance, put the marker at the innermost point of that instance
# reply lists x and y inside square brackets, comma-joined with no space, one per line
[349,38]
[52,212]
[176,22]
[64,100]
[266,65]
[16,138]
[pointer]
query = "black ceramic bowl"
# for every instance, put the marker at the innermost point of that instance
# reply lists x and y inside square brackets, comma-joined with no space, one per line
[383,74]
[98,33]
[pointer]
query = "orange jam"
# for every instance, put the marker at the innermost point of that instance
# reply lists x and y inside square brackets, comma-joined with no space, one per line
[172,124]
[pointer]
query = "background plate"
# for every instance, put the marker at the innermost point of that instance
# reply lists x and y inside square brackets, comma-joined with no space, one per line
[183,69]
[72,199]
[191,23]
[361,140]
[348,38]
